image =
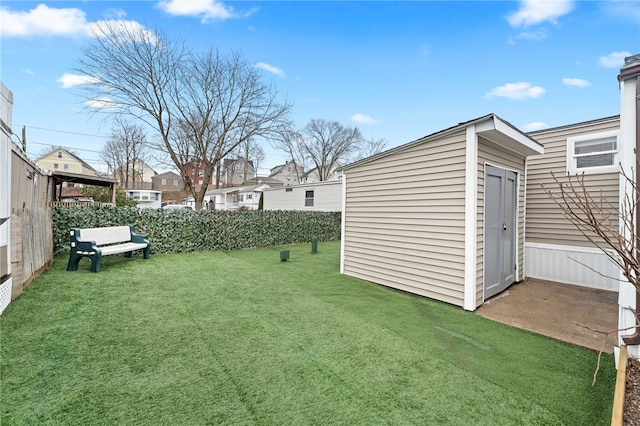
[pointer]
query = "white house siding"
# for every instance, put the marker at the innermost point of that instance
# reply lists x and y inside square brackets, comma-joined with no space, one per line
[327,197]
[551,240]
[405,219]
[492,154]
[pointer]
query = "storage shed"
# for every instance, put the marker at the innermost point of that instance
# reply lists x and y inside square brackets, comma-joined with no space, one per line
[442,216]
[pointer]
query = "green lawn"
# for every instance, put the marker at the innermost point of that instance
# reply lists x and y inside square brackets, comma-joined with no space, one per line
[242,338]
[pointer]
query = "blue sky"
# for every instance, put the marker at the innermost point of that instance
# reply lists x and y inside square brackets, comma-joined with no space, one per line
[397,70]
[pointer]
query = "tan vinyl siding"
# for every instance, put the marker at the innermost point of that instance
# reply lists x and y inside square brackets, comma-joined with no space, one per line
[545,222]
[490,153]
[405,220]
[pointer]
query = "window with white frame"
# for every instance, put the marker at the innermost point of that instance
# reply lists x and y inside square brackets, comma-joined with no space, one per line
[308,199]
[594,153]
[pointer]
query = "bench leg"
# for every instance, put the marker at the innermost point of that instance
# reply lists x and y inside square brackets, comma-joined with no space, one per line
[146,251]
[96,262]
[127,253]
[74,259]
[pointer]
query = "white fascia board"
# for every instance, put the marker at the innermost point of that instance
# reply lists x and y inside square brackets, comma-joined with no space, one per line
[470,218]
[504,134]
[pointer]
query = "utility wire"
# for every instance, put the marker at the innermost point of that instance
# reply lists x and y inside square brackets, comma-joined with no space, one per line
[64,131]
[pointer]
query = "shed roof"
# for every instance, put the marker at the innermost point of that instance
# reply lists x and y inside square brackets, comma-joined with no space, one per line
[489,126]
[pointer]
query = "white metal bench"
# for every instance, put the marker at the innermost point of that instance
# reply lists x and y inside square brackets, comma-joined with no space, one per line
[97,242]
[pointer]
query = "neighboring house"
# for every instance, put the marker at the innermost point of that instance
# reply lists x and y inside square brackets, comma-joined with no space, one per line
[313,175]
[233,198]
[236,172]
[249,196]
[217,199]
[288,173]
[138,175]
[270,182]
[555,249]
[146,198]
[61,160]
[318,196]
[195,170]
[167,181]
[447,220]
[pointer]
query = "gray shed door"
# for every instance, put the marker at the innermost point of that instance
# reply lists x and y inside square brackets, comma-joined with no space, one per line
[499,230]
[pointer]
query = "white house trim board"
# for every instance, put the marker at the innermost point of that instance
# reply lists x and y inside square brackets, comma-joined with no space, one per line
[470,218]
[626,145]
[342,221]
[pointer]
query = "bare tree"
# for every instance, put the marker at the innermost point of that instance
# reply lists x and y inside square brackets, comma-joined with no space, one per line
[611,228]
[125,152]
[201,105]
[371,146]
[328,143]
[321,143]
[291,142]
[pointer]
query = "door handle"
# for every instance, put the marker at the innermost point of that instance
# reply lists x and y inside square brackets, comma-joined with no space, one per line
[504,226]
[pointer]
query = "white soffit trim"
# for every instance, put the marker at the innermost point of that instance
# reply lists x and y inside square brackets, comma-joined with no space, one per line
[502,133]
[470,218]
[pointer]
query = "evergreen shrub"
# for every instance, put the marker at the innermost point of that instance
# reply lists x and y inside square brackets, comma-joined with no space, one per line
[177,230]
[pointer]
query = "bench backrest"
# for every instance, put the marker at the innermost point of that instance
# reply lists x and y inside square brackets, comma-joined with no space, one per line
[108,235]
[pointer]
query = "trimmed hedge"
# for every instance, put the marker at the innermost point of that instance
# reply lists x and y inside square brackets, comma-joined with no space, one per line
[176,230]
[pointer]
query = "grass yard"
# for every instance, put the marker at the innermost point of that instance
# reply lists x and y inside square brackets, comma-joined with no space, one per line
[242,338]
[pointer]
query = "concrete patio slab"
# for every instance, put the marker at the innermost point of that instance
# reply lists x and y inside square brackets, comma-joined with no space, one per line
[574,314]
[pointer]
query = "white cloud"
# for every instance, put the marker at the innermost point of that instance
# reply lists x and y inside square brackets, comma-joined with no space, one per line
[614,59]
[71,80]
[42,21]
[533,12]
[536,125]
[363,119]
[99,29]
[537,35]
[577,82]
[516,91]
[101,103]
[206,10]
[270,68]
[28,71]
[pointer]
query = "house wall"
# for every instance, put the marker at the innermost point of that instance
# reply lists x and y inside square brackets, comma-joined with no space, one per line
[146,199]
[6,102]
[404,219]
[551,240]
[492,154]
[327,197]
[65,162]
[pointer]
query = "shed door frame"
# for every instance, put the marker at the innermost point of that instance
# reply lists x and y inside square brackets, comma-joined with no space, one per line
[506,263]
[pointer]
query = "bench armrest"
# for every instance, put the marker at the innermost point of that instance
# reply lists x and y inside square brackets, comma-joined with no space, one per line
[78,244]
[138,238]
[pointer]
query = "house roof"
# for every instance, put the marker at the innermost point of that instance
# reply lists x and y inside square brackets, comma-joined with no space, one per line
[254,188]
[570,126]
[264,179]
[489,126]
[277,169]
[230,161]
[222,191]
[84,179]
[165,175]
